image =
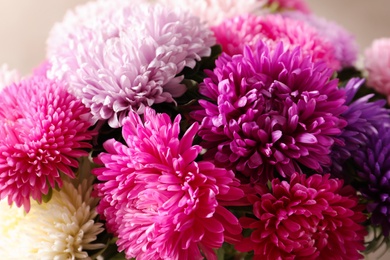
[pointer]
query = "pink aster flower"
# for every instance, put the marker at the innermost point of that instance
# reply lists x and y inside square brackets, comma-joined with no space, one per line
[157,199]
[235,33]
[269,110]
[377,64]
[307,218]
[213,12]
[343,42]
[131,59]
[43,130]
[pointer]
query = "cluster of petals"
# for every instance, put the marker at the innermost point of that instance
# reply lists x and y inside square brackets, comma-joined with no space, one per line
[235,33]
[344,43]
[43,131]
[377,64]
[129,58]
[364,116]
[157,199]
[374,171]
[214,12]
[267,111]
[306,218]
[63,228]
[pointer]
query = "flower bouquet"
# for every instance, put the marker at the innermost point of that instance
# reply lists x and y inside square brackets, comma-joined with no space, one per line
[196,130]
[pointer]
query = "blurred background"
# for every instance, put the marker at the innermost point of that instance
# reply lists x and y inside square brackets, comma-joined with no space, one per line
[25,24]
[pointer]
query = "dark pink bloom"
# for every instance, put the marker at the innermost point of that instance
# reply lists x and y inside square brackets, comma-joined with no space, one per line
[157,199]
[268,111]
[43,130]
[307,218]
[235,33]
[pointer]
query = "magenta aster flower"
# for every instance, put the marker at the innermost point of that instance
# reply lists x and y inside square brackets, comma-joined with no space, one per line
[160,202]
[269,110]
[307,218]
[235,33]
[377,64]
[343,42]
[43,130]
[131,58]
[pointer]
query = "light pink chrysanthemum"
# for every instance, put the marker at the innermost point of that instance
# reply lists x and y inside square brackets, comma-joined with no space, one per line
[160,202]
[298,5]
[134,62]
[233,34]
[43,130]
[7,76]
[307,218]
[213,12]
[377,64]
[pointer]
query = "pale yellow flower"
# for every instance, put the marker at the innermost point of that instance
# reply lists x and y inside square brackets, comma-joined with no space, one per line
[63,228]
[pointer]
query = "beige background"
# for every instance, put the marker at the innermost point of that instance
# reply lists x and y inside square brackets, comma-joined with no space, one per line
[24,26]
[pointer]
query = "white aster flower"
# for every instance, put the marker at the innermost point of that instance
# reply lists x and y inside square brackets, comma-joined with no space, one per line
[8,76]
[213,12]
[63,228]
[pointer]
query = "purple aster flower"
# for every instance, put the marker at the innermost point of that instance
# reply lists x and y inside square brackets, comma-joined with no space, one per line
[344,42]
[363,118]
[270,110]
[374,163]
[130,58]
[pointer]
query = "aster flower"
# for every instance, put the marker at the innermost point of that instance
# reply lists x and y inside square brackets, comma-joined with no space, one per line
[233,34]
[282,5]
[374,171]
[63,228]
[133,63]
[7,76]
[213,12]
[344,42]
[269,110]
[157,199]
[363,118]
[307,218]
[377,64]
[10,230]
[43,131]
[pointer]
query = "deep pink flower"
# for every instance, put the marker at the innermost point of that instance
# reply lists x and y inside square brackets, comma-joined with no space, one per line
[235,33]
[43,130]
[377,64]
[269,110]
[160,202]
[307,218]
